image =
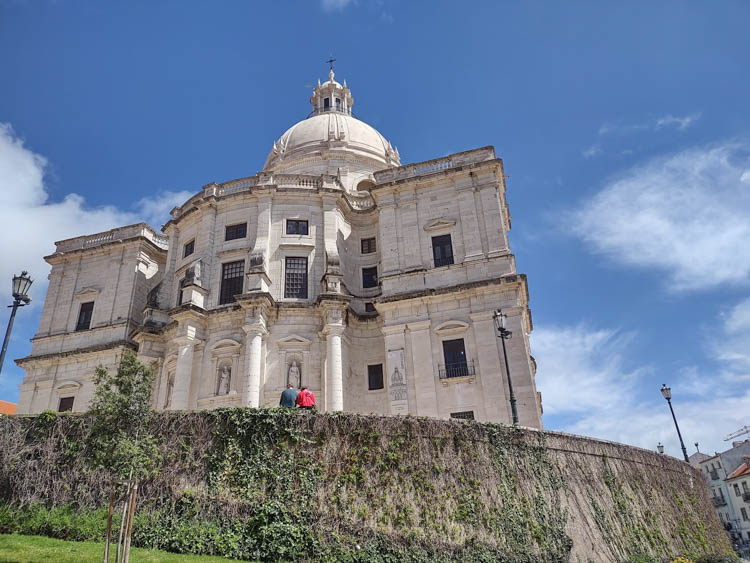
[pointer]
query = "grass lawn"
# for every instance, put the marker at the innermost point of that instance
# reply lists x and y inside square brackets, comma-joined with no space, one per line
[37,549]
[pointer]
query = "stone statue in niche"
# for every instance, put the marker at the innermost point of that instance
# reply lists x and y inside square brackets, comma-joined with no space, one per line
[294,376]
[225,380]
[170,387]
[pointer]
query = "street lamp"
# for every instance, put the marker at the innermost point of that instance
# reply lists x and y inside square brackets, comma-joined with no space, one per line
[660,448]
[667,393]
[21,285]
[504,334]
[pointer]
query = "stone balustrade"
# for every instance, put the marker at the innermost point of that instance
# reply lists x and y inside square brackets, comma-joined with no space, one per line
[119,234]
[434,165]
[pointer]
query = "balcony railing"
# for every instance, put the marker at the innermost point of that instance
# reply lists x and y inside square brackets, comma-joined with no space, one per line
[459,369]
[332,109]
[444,261]
[719,501]
[714,473]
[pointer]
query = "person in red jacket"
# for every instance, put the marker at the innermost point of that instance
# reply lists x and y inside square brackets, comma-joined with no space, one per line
[305,399]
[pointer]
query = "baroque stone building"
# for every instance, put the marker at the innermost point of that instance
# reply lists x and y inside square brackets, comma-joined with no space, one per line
[335,267]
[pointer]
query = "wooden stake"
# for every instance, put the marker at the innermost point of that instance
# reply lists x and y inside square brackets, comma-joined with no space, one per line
[129,527]
[109,523]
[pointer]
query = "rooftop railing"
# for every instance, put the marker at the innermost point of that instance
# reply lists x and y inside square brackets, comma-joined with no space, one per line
[113,235]
[331,109]
[434,166]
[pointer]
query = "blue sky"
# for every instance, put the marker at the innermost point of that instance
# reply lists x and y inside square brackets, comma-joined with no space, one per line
[624,129]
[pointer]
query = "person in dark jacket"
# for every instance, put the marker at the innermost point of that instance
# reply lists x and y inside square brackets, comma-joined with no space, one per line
[306,399]
[288,397]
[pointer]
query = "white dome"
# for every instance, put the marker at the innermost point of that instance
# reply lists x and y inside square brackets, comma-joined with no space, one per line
[331,131]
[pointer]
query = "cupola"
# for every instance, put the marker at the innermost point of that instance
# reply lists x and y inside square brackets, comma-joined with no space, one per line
[331,96]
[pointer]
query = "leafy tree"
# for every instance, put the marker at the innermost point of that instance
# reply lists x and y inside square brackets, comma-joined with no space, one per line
[120,442]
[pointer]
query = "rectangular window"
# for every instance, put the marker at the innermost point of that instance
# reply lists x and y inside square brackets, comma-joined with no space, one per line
[296,227]
[744,513]
[370,308]
[370,277]
[338,104]
[744,487]
[368,245]
[442,250]
[189,249]
[454,354]
[326,103]
[65,404]
[375,377]
[179,291]
[464,415]
[736,490]
[295,280]
[232,277]
[84,316]
[233,232]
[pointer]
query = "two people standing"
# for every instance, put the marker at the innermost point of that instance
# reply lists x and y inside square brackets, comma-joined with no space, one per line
[304,399]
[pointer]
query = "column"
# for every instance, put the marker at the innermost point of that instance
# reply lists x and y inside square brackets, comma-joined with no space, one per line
[424,373]
[183,375]
[469,225]
[335,368]
[490,369]
[254,351]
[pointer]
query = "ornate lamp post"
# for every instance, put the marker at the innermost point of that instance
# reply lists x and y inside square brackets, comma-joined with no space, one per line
[21,285]
[660,448]
[667,392]
[504,334]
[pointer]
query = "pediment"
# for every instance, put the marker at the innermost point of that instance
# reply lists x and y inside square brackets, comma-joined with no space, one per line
[293,341]
[451,327]
[226,343]
[68,387]
[88,292]
[441,223]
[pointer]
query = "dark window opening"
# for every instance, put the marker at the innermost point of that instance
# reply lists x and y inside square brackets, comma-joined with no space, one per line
[463,415]
[370,308]
[232,277]
[368,245]
[370,277]
[235,231]
[456,365]
[296,227]
[84,316]
[65,404]
[295,285]
[189,249]
[326,103]
[375,377]
[442,250]
[179,291]
[338,104]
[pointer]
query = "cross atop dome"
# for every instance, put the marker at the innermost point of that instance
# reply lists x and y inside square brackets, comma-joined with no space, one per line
[331,96]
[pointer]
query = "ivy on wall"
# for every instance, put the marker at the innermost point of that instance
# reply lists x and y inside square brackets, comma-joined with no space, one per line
[282,484]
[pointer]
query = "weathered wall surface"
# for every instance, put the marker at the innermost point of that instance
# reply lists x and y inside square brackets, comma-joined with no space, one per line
[285,485]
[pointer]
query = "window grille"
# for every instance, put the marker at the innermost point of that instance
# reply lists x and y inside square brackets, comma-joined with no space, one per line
[232,278]
[189,249]
[442,250]
[84,316]
[296,227]
[233,232]
[368,245]
[295,285]
[463,415]
[375,377]
[66,404]
[370,277]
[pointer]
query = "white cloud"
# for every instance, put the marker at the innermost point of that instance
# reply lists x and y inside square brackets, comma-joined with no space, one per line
[155,210]
[333,5]
[669,120]
[30,223]
[592,151]
[732,345]
[588,388]
[681,123]
[687,214]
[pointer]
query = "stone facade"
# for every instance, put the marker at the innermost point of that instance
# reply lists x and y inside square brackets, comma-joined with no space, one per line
[337,268]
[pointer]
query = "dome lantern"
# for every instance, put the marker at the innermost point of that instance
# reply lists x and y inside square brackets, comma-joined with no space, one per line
[331,97]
